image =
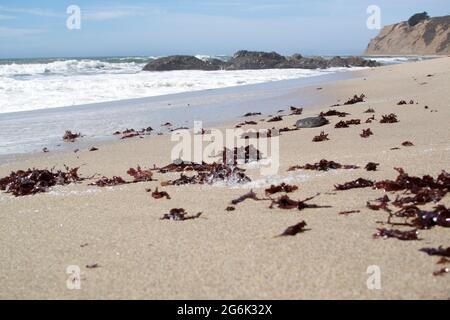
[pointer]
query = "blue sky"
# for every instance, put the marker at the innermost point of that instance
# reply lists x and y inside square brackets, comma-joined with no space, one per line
[38,28]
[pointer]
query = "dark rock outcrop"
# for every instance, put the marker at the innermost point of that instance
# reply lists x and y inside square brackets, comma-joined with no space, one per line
[245,60]
[255,60]
[183,63]
[420,36]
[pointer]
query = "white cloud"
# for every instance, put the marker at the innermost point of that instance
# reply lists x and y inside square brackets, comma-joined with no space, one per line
[109,13]
[31,11]
[4,17]
[18,32]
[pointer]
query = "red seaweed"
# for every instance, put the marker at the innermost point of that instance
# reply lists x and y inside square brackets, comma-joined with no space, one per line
[179,214]
[366,133]
[323,165]
[331,113]
[160,194]
[294,230]
[355,99]
[33,181]
[69,136]
[321,137]
[281,188]
[140,175]
[372,166]
[391,118]
[109,182]
[441,251]
[398,234]
[359,183]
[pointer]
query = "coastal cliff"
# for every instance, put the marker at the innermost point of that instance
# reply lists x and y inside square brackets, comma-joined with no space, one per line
[422,36]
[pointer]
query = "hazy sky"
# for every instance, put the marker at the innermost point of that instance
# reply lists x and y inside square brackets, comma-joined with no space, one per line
[38,28]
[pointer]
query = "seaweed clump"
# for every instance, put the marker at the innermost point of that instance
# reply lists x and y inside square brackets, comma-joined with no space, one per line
[321,137]
[366,133]
[179,214]
[281,188]
[33,181]
[391,118]
[323,165]
[355,99]
[294,230]
[356,184]
[398,234]
[69,136]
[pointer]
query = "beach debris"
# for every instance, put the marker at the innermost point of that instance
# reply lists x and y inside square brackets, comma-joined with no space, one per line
[398,234]
[381,205]
[395,148]
[441,251]
[131,133]
[403,102]
[443,260]
[230,208]
[251,114]
[140,175]
[266,133]
[109,182]
[407,144]
[415,184]
[92,266]
[160,194]
[45,150]
[206,174]
[239,155]
[369,120]
[366,133]
[286,129]
[275,119]
[248,195]
[346,124]
[312,122]
[281,188]
[370,110]
[331,113]
[355,99]
[246,123]
[69,136]
[93,149]
[284,202]
[358,183]
[179,214]
[391,118]
[441,272]
[296,111]
[371,166]
[294,230]
[321,137]
[33,181]
[346,213]
[323,165]
[167,124]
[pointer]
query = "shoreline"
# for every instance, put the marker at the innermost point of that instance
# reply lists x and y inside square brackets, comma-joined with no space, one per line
[236,255]
[229,104]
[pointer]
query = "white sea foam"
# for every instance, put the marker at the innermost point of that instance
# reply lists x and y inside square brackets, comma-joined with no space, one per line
[31,86]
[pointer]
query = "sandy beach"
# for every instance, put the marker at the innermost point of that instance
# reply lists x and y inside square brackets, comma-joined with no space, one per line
[236,254]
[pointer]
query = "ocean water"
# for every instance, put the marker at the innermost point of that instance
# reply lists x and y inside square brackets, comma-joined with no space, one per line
[33,84]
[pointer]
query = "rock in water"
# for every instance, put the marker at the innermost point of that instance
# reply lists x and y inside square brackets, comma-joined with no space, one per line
[183,63]
[255,60]
[312,122]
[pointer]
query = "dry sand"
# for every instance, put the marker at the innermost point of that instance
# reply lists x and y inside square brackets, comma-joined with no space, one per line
[234,255]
